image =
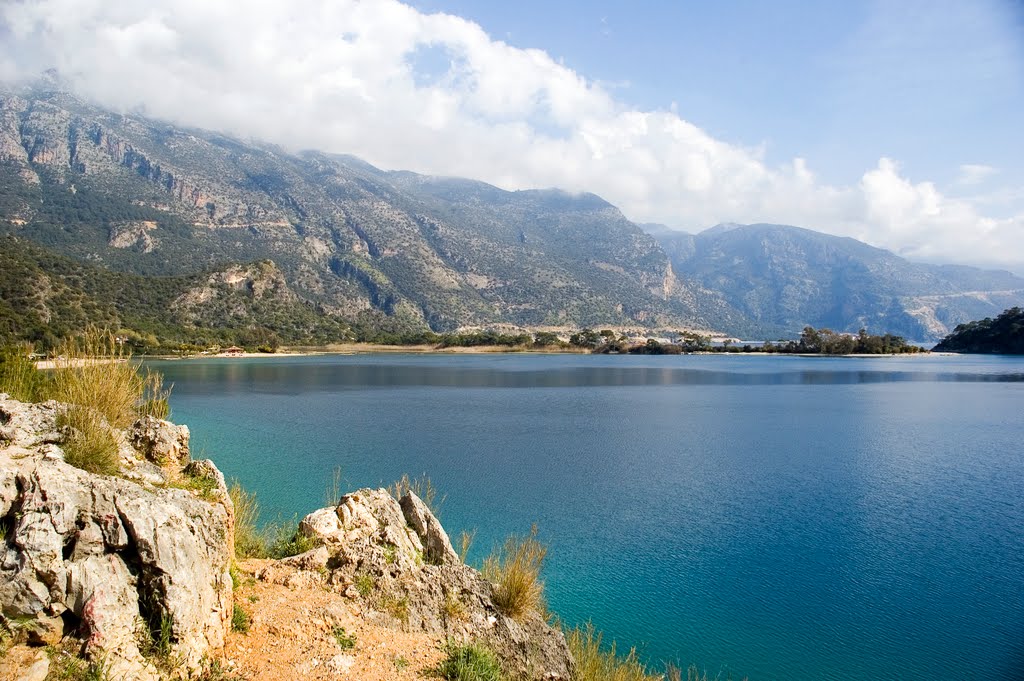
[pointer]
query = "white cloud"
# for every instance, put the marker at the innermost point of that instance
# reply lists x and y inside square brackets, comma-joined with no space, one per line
[343,75]
[975,173]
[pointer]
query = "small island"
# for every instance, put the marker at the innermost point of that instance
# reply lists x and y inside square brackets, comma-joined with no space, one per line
[1003,335]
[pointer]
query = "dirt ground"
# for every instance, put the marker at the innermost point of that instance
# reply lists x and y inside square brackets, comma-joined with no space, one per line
[293,635]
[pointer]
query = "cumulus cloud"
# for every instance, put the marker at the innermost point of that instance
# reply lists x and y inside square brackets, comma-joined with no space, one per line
[434,93]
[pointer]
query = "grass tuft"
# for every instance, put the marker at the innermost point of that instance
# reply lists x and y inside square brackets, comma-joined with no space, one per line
[94,371]
[514,569]
[249,542]
[421,487]
[466,543]
[19,377]
[469,662]
[240,620]
[365,584]
[596,664]
[89,444]
[344,640]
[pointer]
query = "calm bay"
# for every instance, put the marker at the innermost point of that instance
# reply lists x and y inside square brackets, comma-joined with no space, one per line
[770,517]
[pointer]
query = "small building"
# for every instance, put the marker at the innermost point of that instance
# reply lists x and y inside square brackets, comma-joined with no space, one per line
[234,350]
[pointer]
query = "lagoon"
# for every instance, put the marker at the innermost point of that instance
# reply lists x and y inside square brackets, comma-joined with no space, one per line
[771,517]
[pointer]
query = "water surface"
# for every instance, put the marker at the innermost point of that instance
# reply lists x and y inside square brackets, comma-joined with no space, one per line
[774,517]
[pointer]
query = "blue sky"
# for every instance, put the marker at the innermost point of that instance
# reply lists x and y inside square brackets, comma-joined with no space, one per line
[936,85]
[897,122]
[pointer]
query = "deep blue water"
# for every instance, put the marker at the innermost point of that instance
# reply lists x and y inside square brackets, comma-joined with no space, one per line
[771,517]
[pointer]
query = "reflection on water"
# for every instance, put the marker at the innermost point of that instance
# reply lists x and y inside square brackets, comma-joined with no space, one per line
[277,377]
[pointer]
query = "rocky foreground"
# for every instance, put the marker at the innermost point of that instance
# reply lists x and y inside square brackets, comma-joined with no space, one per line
[133,573]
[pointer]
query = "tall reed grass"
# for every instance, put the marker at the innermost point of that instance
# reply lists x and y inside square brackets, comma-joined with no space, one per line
[514,569]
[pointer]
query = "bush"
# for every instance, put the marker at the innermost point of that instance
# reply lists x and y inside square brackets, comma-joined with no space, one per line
[90,444]
[514,569]
[469,662]
[344,640]
[595,664]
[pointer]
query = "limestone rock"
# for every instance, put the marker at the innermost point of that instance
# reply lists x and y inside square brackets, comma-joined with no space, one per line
[436,545]
[102,554]
[160,442]
[377,548]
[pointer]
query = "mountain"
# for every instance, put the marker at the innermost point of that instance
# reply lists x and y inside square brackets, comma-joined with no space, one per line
[1002,335]
[783,278]
[139,196]
[224,237]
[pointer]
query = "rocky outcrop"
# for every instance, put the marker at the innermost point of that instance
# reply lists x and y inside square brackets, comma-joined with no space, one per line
[108,560]
[396,557]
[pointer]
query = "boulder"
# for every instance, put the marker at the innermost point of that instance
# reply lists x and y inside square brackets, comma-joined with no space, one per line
[396,557]
[160,442]
[437,547]
[103,554]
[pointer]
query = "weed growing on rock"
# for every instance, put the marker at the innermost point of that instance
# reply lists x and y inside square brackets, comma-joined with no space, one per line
[471,662]
[514,570]
[398,608]
[401,663]
[249,543]
[421,487]
[465,543]
[89,443]
[289,541]
[365,585]
[66,665]
[239,620]
[345,640]
[596,664]
[453,609]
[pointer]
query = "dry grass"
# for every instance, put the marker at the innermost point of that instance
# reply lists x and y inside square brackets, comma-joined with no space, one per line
[465,543]
[596,664]
[90,444]
[514,569]
[19,377]
[94,371]
[421,487]
[249,542]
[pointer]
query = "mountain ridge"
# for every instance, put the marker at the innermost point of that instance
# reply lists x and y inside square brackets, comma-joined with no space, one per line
[359,243]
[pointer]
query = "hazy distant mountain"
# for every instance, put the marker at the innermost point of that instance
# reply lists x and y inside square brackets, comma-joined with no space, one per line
[140,196]
[782,278]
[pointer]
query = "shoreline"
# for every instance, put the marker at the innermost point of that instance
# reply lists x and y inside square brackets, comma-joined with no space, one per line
[380,349]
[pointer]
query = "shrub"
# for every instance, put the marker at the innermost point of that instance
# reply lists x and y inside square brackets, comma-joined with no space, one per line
[249,543]
[514,569]
[595,664]
[90,444]
[470,662]
[287,540]
[239,620]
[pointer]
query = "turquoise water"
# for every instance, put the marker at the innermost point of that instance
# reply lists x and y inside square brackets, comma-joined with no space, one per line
[771,517]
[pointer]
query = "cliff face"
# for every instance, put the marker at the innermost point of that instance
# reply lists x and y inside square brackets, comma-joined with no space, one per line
[110,561]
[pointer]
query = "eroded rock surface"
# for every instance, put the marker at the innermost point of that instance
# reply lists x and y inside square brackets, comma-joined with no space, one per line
[109,559]
[396,558]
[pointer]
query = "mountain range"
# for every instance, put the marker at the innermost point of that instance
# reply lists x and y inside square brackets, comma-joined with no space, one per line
[217,232]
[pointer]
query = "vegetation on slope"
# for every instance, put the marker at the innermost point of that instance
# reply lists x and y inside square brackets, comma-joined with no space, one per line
[1002,335]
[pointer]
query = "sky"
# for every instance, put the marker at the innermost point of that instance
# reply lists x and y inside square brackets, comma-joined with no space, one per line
[897,122]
